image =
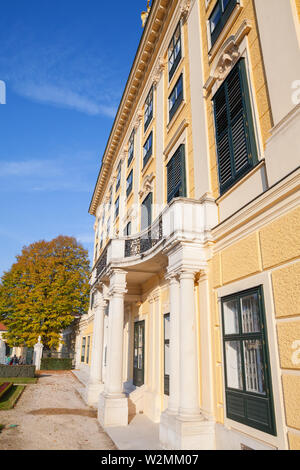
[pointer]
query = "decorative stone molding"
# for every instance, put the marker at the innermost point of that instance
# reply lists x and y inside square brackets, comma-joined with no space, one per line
[147,185]
[226,62]
[139,117]
[227,56]
[185,9]
[158,71]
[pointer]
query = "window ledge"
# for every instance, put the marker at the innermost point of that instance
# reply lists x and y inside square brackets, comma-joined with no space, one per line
[129,197]
[241,181]
[176,114]
[146,167]
[214,49]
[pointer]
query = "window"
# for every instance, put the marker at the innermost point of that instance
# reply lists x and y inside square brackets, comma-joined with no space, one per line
[235,138]
[83,349]
[117,207]
[96,252]
[146,212]
[139,353]
[176,97]
[247,369]
[167,354]
[219,17]
[129,183]
[127,231]
[92,299]
[88,349]
[148,109]
[147,150]
[174,51]
[108,227]
[131,149]
[110,199]
[118,177]
[176,175]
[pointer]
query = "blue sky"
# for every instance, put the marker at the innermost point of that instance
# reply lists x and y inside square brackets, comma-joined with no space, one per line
[65,64]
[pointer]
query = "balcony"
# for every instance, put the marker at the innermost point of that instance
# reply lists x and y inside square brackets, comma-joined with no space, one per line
[182,220]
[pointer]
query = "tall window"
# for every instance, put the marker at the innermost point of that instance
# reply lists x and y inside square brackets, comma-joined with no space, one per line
[117,207]
[247,369]
[176,97]
[131,148]
[146,209]
[167,354]
[139,353]
[219,17]
[127,231]
[108,227]
[129,183]
[118,177]
[235,138]
[83,349]
[176,175]
[88,349]
[174,51]
[148,109]
[147,150]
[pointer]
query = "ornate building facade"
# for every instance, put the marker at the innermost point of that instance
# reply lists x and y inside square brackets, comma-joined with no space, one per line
[194,317]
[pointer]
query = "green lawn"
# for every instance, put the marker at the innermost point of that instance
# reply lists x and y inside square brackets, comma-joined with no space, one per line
[19,380]
[9,399]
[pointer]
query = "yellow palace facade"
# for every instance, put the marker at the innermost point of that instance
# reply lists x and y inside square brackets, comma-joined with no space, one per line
[194,317]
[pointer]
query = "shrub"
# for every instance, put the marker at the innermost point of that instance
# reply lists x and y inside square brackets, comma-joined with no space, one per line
[17,371]
[52,363]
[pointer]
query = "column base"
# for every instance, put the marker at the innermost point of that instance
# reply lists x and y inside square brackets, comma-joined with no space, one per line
[112,411]
[92,392]
[177,433]
[152,405]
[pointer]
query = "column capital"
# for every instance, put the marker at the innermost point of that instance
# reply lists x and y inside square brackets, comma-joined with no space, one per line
[186,273]
[172,277]
[117,283]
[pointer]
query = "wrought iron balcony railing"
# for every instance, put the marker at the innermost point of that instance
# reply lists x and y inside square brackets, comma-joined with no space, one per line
[137,245]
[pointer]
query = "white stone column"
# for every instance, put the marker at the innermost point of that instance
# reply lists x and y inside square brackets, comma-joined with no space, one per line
[37,355]
[167,428]
[154,361]
[206,380]
[189,387]
[113,405]
[95,385]
[174,345]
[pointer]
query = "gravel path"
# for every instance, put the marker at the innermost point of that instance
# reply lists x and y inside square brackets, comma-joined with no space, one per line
[51,415]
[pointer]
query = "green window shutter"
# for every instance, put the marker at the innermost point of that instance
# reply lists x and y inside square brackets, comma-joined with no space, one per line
[235,139]
[176,174]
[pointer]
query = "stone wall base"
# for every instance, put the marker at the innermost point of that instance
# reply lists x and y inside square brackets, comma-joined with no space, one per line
[112,411]
[92,393]
[176,433]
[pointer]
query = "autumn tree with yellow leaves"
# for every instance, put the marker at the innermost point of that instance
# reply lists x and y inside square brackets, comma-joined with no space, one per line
[44,291]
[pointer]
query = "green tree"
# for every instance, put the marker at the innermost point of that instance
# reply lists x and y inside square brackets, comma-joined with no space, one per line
[44,291]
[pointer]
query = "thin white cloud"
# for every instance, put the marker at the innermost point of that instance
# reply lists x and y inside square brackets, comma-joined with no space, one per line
[85,238]
[66,98]
[29,168]
[63,173]
[61,73]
